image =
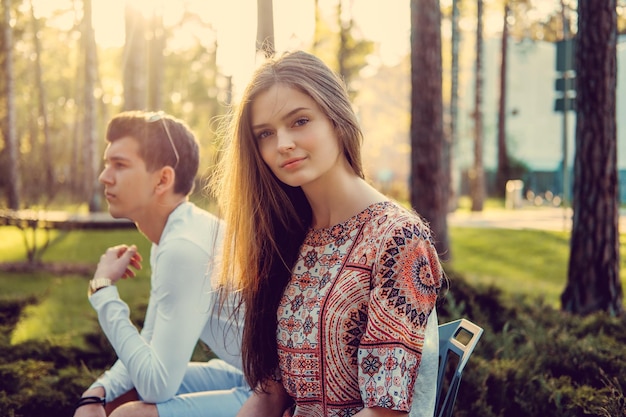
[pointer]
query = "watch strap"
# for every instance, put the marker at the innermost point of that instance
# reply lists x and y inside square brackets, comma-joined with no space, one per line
[99,283]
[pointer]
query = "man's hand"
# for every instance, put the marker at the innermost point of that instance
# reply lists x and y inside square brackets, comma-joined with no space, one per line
[91,410]
[117,261]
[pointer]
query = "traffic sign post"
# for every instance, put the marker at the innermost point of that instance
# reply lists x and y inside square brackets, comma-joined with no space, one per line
[563,104]
[565,83]
[565,53]
[565,87]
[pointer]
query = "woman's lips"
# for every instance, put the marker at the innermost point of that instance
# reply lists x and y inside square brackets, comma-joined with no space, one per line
[291,163]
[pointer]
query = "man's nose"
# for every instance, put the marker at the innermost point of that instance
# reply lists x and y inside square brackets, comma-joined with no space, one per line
[104,177]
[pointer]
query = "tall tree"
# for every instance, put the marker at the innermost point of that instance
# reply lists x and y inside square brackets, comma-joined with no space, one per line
[429,194]
[593,282]
[477,175]
[317,37]
[352,52]
[324,42]
[265,28]
[156,62]
[91,155]
[135,59]
[49,177]
[452,138]
[9,130]
[345,25]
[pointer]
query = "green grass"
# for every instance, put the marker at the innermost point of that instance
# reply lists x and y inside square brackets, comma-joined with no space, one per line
[530,263]
[77,246]
[464,203]
[87,246]
[62,316]
[62,313]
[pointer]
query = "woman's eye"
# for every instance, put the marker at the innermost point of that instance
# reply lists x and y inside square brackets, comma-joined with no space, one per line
[301,121]
[263,134]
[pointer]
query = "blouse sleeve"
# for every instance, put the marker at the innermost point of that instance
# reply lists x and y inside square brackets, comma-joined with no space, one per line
[406,280]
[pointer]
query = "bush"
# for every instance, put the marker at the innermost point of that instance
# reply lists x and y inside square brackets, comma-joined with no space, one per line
[40,379]
[533,360]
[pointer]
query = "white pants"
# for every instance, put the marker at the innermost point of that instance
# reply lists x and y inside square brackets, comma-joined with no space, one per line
[209,389]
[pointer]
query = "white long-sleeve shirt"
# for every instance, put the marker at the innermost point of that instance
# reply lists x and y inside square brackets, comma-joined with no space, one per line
[180,311]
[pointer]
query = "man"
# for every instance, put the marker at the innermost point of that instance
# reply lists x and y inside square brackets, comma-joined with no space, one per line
[151,161]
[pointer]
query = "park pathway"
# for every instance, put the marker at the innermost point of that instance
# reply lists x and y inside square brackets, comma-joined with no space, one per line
[541,218]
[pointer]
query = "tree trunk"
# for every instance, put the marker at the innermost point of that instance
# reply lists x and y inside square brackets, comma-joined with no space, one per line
[428,189]
[13,179]
[317,31]
[156,64]
[135,59]
[265,28]
[91,149]
[342,53]
[477,174]
[503,174]
[593,277]
[346,49]
[452,139]
[49,177]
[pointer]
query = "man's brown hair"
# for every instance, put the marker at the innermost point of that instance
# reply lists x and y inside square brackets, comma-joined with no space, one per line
[163,140]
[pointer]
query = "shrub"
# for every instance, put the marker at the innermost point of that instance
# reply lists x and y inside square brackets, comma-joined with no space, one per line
[533,360]
[40,379]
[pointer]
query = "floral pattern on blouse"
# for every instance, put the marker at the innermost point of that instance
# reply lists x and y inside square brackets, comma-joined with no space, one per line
[351,321]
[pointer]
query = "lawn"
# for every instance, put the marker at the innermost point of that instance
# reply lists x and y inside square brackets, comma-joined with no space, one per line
[61,312]
[530,263]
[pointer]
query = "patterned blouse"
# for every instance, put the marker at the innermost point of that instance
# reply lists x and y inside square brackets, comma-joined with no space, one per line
[351,321]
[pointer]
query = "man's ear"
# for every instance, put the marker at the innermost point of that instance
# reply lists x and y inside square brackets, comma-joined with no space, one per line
[166,179]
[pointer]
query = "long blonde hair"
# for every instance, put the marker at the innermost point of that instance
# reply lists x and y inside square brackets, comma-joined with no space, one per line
[266,220]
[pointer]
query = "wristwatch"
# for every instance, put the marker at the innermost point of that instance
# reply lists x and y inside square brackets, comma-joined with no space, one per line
[97,284]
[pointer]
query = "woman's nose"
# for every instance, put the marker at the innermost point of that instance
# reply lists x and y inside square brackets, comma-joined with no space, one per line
[285,142]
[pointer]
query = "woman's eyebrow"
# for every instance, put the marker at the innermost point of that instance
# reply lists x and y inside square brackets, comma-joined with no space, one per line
[286,116]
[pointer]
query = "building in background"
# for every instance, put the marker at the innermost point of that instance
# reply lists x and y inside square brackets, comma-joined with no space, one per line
[534,129]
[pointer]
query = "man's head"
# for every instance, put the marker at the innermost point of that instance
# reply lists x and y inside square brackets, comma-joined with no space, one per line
[163,141]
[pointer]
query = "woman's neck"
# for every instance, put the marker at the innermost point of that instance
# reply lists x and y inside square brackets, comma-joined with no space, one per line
[348,196]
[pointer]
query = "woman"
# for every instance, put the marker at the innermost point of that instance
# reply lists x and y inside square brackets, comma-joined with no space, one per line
[338,282]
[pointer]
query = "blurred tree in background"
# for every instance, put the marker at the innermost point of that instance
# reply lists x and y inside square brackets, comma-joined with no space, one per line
[65,87]
[593,276]
[12,168]
[265,44]
[429,190]
[60,88]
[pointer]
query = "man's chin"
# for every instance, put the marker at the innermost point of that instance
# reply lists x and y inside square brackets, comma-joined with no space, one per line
[116,214]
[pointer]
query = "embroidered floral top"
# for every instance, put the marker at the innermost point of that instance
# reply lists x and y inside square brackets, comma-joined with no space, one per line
[351,321]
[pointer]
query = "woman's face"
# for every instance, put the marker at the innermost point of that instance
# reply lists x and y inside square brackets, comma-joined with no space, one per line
[295,138]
